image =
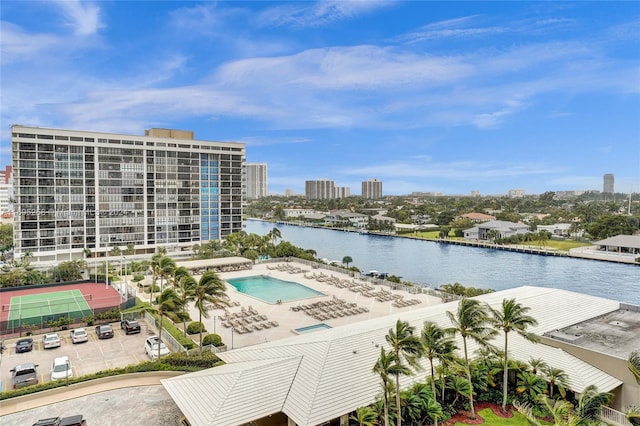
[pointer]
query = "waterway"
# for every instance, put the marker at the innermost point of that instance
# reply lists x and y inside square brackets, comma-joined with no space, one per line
[434,264]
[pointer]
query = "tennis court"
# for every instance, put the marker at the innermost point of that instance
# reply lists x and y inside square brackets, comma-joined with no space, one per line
[38,309]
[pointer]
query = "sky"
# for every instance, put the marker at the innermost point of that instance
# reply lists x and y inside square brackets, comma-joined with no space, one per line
[447,97]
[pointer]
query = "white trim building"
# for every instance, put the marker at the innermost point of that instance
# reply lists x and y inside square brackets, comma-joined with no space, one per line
[78,190]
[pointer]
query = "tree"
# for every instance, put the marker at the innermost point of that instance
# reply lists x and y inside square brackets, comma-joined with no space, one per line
[436,346]
[406,347]
[347,260]
[385,366]
[167,302]
[512,317]
[530,385]
[556,378]
[591,401]
[470,321]
[185,288]
[633,362]
[561,411]
[210,289]
[365,416]
[115,251]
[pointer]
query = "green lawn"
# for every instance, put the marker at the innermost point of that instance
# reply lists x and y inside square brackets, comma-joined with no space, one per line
[493,420]
[562,245]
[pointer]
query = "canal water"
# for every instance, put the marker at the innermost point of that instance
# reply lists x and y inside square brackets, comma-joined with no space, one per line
[434,264]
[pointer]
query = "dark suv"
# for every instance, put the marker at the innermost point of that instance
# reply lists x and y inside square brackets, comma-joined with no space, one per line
[24,375]
[104,331]
[130,326]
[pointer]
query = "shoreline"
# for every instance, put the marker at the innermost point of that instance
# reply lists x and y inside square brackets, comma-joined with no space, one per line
[586,252]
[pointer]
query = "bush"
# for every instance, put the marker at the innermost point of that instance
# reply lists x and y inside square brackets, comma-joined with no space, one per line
[154,288]
[212,339]
[195,328]
[138,277]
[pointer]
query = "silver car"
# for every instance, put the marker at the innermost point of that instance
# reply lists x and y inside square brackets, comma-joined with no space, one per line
[79,335]
[51,340]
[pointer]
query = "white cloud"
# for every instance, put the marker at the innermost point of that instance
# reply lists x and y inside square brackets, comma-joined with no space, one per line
[19,45]
[316,14]
[83,17]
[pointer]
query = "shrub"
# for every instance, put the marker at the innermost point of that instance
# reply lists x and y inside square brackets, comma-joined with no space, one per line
[195,328]
[155,288]
[212,339]
[138,277]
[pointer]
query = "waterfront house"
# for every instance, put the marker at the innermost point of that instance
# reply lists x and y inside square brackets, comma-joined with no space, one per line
[501,228]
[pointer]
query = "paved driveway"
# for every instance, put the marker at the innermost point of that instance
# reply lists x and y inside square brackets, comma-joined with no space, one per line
[142,405]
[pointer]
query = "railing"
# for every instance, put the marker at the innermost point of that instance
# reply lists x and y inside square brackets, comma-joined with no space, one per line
[613,417]
[167,338]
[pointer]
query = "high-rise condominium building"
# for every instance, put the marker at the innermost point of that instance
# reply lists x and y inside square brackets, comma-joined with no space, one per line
[6,189]
[257,185]
[322,189]
[77,190]
[607,185]
[372,189]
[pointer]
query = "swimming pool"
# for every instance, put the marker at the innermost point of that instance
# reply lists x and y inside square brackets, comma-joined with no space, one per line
[271,289]
[311,328]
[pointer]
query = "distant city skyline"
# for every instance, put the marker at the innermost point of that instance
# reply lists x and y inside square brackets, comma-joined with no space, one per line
[441,97]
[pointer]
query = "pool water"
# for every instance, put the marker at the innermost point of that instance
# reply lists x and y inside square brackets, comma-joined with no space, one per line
[311,328]
[271,289]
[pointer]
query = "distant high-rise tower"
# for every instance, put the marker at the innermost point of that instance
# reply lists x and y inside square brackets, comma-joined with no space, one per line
[322,189]
[607,186]
[257,184]
[372,189]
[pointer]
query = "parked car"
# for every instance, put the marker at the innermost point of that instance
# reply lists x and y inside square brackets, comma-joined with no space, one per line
[24,375]
[51,340]
[79,335]
[61,368]
[104,331]
[130,326]
[24,345]
[151,346]
[76,420]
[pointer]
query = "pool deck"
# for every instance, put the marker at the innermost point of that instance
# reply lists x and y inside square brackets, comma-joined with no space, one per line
[287,319]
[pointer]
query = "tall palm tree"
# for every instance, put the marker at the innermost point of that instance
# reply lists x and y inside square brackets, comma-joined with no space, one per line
[185,288]
[210,289]
[167,302]
[385,367]
[407,347]
[436,346]
[512,317]
[470,321]
[166,269]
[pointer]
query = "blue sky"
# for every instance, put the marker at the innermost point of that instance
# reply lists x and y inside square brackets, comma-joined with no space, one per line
[426,96]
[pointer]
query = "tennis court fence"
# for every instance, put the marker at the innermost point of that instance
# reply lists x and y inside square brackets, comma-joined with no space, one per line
[54,313]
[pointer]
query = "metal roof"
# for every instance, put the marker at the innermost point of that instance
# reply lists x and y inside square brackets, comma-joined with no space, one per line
[629,241]
[319,376]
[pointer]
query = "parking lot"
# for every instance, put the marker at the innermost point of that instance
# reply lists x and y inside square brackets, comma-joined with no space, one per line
[88,357]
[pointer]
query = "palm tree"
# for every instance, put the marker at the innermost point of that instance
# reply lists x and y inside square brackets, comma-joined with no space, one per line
[556,378]
[561,411]
[407,347]
[168,302]
[530,385]
[365,416]
[166,269]
[210,289]
[591,401]
[512,317]
[470,321]
[384,367]
[185,289]
[634,364]
[537,364]
[436,345]
[347,260]
[633,415]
